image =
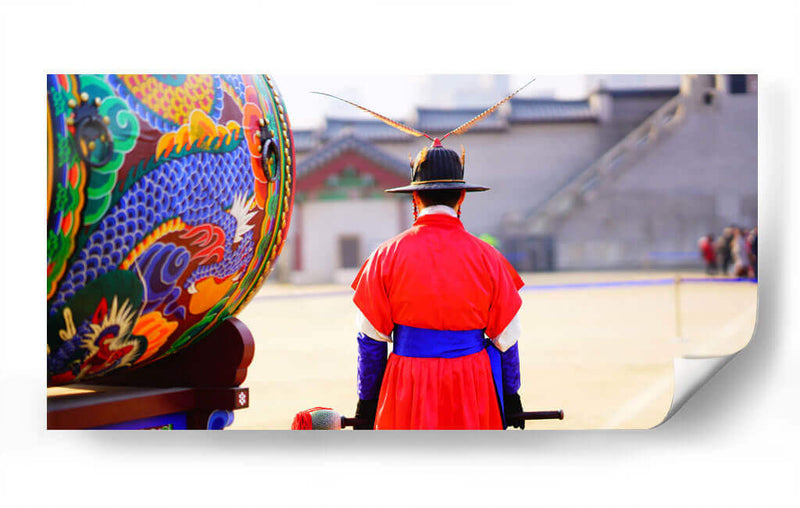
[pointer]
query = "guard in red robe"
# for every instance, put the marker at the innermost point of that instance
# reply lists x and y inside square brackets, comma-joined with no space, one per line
[448,303]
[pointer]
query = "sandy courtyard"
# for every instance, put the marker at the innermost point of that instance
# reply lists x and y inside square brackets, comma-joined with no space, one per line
[599,350]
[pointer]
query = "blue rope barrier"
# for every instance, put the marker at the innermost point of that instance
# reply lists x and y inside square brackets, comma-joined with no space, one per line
[712,279]
[588,285]
[548,287]
[642,282]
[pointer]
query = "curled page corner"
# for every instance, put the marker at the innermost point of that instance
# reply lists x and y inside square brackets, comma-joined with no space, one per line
[690,373]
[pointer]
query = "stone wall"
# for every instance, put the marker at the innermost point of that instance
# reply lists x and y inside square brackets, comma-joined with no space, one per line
[696,180]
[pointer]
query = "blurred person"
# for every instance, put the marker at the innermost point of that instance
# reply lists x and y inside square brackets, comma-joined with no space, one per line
[723,248]
[752,242]
[741,255]
[449,302]
[707,252]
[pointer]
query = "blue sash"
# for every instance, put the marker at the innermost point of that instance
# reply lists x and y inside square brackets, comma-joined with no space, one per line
[426,343]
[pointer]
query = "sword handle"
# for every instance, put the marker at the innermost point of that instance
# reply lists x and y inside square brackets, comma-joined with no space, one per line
[557,414]
[351,422]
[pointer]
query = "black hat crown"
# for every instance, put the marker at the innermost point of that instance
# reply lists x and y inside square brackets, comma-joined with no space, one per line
[437,163]
[437,167]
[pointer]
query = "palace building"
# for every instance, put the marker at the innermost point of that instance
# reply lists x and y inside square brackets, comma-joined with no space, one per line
[626,178]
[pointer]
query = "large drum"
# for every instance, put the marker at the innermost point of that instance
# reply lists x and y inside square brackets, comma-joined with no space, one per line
[168,201]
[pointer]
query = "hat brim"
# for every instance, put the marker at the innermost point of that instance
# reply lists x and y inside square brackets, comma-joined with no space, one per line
[408,189]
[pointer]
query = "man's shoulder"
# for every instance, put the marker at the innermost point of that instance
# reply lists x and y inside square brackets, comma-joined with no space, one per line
[484,246]
[496,259]
[407,235]
[391,244]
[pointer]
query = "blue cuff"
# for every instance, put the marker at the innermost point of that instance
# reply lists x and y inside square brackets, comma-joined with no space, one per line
[371,364]
[509,359]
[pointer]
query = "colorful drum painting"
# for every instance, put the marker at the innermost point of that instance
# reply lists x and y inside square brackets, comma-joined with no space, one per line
[168,202]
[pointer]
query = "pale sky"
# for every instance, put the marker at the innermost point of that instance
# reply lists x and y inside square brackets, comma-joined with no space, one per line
[397,95]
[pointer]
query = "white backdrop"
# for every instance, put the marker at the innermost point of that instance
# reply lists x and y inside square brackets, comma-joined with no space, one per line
[734,443]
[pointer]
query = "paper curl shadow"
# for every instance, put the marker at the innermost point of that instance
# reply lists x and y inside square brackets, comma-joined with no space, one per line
[690,373]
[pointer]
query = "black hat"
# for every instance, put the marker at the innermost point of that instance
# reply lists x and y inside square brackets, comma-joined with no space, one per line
[437,167]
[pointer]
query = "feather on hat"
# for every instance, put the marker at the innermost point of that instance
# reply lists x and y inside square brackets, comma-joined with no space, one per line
[436,167]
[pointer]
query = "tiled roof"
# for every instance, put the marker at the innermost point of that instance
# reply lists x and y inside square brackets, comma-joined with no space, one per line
[623,93]
[347,142]
[550,110]
[438,122]
[369,129]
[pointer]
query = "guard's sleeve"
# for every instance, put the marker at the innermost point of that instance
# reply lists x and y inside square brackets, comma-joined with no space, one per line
[370,294]
[371,365]
[509,360]
[506,301]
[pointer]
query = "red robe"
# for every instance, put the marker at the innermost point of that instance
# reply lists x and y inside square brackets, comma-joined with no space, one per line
[438,276]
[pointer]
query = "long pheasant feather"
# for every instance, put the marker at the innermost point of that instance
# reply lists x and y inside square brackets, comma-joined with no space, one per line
[388,121]
[461,129]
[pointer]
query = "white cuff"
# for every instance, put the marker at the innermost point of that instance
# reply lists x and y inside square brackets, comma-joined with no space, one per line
[364,326]
[509,336]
